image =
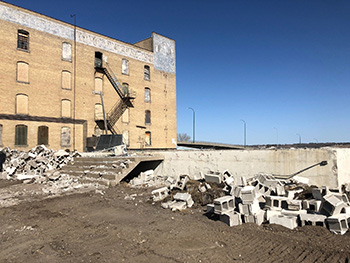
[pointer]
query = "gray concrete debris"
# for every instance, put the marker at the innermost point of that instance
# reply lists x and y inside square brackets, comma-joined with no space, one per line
[185,197]
[213,177]
[286,221]
[160,194]
[338,224]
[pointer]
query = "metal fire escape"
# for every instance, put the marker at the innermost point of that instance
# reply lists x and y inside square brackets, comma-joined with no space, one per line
[126,98]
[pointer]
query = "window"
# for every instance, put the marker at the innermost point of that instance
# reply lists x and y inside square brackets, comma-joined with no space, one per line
[125,66]
[98,85]
[22,72]
[66,80]
[43,135]
[147,138]
[147,117]
[98,112]
[147,74]
[125,116]
[66,109]
[21,135]
[23,40]
[65,137]
[21,104]
[66,51]
[147,95]
[125,88]
[126,138]
[0,134]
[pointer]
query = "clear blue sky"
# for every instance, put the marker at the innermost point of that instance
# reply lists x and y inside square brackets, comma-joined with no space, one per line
[281,63]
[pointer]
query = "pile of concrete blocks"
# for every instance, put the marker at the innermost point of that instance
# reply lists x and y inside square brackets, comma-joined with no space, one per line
[149,179]
[267,199]
[36,163]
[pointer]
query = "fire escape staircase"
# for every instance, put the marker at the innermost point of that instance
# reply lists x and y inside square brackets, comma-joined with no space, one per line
[126,99]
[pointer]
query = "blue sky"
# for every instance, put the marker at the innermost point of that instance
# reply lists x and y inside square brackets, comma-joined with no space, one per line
[283,66]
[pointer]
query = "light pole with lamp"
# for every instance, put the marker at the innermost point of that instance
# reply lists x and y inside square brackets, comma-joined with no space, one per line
[245,132]
[194,123]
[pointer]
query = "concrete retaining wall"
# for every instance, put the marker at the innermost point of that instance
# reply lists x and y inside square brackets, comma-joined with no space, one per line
[247,163]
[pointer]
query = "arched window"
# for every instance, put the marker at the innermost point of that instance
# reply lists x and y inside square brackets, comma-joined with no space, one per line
[66,109]
[66,51]
[125,66]
[147,95]
[98,112]
[66,80]
[98,84]
[21,135]
[125,88]
[147,73]
[22,39]
[147,138]
[148,117]
[22,72]
[21,104]
[43,135]
[65,136]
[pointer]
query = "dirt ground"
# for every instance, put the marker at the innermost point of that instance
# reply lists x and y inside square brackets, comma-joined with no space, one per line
[121,224]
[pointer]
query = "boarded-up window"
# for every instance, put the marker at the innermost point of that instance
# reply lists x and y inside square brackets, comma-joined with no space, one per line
[98,84]
[22,72]
[66,109]
[43,135]
[98,112]
[21,104]
[125,66]
[147,95]
[65,137]
[126,137]
[125,116]
[22,40]
[21,135]
[66,80]
[148,138]
[66,51]
[147,73]
[147,117]
[125,89]
[0,134]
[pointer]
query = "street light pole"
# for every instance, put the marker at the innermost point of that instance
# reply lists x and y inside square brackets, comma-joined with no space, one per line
[277,134]
[299,138]
[194,123]
[245,132]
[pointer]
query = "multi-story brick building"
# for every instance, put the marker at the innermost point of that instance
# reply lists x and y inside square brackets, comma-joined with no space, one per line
[51,76]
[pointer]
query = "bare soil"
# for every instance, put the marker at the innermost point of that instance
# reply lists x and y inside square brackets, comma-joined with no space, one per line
[121,224]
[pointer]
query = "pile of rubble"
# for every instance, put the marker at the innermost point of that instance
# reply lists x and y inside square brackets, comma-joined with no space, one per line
[263,199]
[37,162]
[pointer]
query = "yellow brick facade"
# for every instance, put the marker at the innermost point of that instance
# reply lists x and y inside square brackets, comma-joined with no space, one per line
[45,81]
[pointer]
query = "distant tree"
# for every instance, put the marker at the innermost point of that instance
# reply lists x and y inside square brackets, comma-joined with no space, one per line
[183,137]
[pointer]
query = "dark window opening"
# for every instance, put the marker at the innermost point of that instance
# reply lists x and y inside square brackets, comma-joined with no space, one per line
[147,117]
[21,135]
[23,40]
[43,135]
[98,59]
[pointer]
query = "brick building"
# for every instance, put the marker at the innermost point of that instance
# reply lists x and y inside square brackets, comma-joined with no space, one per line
[52,73]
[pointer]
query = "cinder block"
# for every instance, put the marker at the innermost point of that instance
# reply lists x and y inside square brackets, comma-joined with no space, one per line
[231,218]
[181,182]
[186,197]
[224,204]
[312,205]
[160,194]
[312,219]
[291,193]
[276,202]
[286,221]
[338,224]
[270,213]
[178,206]
[210,208]
[213,177]
[318,193]
[331,205]
[248,194]
[295,205]
[249,209]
